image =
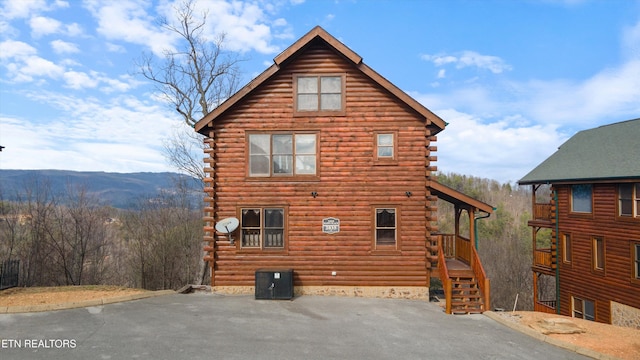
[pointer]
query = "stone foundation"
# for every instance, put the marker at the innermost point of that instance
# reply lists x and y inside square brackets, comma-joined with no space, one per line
[392,292]
[624,315]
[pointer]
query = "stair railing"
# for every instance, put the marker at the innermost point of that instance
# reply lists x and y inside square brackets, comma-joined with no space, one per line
[444,276]
[481,277]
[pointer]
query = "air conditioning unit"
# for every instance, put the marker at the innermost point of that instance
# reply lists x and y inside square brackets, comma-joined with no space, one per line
[274,284]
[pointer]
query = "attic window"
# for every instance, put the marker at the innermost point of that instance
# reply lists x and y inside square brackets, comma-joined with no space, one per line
[317,94]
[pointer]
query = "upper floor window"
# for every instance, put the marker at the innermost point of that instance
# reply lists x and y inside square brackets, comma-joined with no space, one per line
[581,198]
[385,147]
[319,93]
[282,155]
[386,227]
[262,228]
[598,253]
[566,248]
[629,200]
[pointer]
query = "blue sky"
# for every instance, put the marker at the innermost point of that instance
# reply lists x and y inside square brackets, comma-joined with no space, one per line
[514,79]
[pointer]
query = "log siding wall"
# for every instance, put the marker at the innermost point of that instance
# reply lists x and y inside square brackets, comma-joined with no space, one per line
[349,185]
[578,278]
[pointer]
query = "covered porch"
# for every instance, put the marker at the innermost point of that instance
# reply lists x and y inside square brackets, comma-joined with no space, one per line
[464,281]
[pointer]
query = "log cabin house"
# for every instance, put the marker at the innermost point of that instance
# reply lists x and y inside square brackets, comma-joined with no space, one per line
[328,168]
[592,213]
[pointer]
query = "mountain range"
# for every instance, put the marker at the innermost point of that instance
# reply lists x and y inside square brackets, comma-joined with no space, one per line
[120,190]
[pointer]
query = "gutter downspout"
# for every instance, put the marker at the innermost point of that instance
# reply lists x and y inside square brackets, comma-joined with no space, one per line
[475,227]
[555,199]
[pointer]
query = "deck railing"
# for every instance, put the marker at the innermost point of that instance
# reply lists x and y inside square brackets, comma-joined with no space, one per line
[542,211]
[545,306]
[463,249]
[448,242]
[542,257]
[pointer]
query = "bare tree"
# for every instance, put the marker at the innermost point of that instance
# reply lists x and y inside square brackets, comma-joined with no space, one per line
[194,78]
[198,76]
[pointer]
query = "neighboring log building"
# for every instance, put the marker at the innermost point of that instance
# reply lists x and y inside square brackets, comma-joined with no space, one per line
[328,167]
[593,215]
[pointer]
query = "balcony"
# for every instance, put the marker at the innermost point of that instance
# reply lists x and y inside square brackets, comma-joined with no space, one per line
[545,306]
[542,215]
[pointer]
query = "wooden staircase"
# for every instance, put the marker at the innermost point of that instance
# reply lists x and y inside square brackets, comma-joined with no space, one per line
[466,297]
[466,286]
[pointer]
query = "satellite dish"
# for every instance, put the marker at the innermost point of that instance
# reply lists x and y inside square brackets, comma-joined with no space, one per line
[227,226]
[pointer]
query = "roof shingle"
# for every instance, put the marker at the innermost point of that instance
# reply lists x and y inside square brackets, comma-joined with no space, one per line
[606,153]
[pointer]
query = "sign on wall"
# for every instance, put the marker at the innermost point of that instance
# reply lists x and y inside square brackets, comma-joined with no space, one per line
[330,225]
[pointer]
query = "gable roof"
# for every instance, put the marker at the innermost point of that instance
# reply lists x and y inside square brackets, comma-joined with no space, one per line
[606,153]
[340,48]
[457,198]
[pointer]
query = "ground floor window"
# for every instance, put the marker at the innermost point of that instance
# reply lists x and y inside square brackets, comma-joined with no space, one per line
[262,227]
[386,227]
[583,309]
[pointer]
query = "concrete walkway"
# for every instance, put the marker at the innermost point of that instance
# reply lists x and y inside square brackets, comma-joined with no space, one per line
[207,326]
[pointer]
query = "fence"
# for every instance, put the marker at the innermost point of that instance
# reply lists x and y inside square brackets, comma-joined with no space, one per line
[9,274]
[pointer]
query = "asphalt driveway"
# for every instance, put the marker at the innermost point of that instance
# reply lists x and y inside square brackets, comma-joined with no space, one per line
[206,326]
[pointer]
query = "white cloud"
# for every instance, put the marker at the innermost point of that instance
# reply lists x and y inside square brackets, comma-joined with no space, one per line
[509,147]
[63,47]
[115,48]
[41,26]
[125,137]
[32,67]
[14,9]
[246,25]
[22,63]
[15,49]
[469,59]
[129,21]
[79,80]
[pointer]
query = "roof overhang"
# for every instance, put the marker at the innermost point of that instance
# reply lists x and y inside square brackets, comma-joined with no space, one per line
[432,120]
[457,198]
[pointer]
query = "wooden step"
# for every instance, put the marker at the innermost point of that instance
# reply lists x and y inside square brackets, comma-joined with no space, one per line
[465,293]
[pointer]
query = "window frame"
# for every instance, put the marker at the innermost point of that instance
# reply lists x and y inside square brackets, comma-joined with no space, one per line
[598,254]
[583,312]
[294,175]
[572,200]
[634,256]
[567,256]
[261,247]
[393,248]
[634,199]
[319,111]
[385,160]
